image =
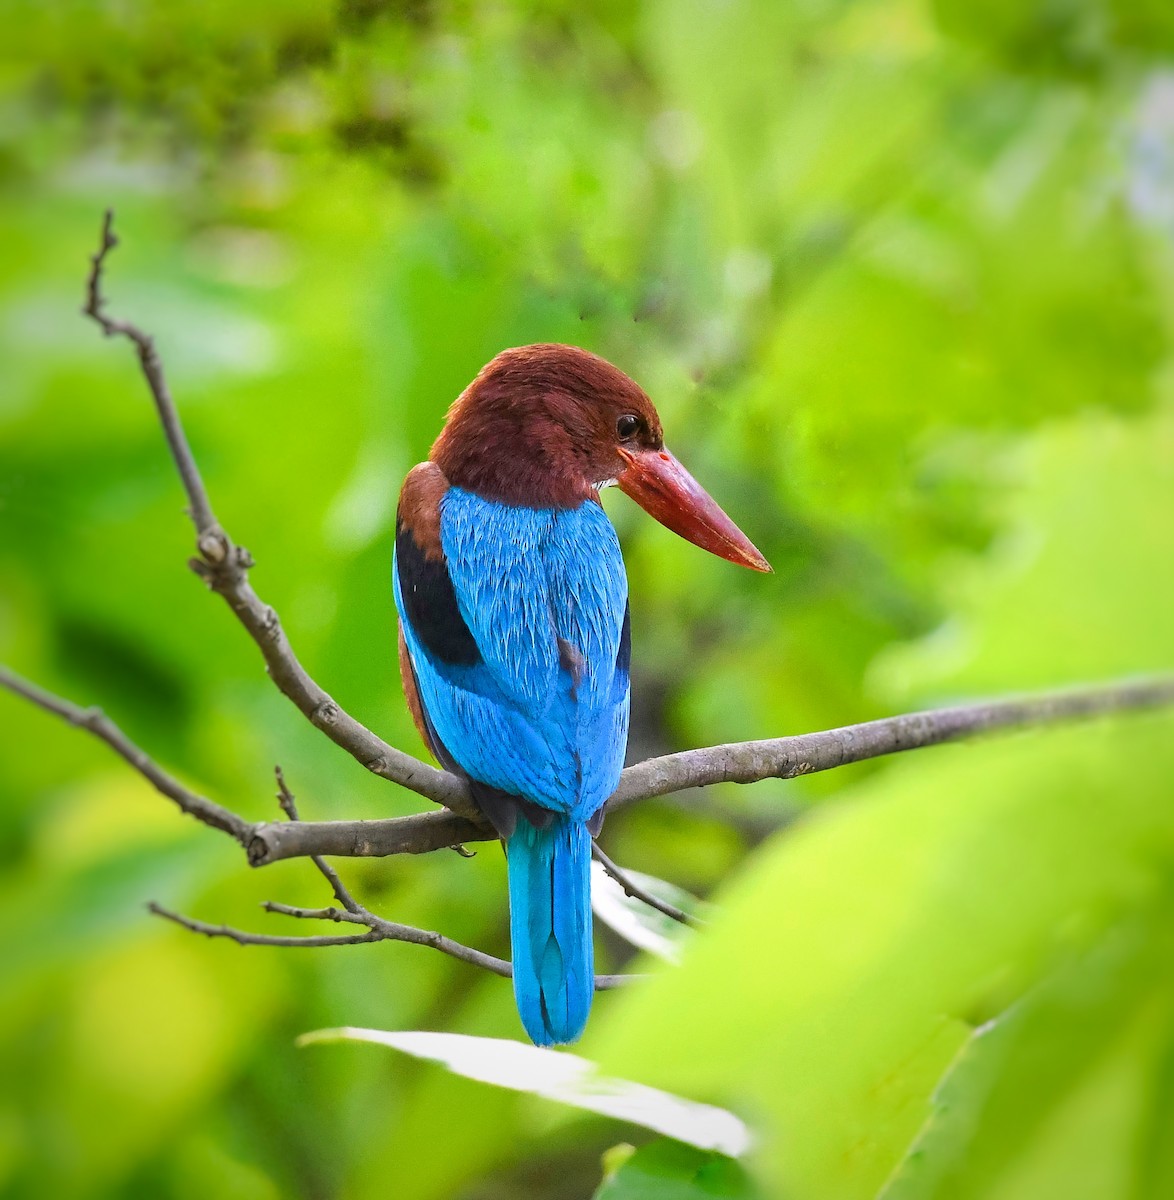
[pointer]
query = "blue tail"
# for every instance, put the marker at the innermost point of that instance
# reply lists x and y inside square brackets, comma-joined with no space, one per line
[550,928]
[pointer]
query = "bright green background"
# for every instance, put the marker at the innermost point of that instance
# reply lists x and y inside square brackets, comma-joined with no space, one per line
[900,277]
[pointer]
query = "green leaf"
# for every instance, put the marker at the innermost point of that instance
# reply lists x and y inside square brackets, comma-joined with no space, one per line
[1017,1074]
[667,1170]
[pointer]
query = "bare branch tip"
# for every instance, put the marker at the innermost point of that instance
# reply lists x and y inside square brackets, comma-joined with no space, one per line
[285,798]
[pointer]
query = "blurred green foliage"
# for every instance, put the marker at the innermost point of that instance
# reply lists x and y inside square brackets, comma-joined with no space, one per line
[900,277]
[667,1170]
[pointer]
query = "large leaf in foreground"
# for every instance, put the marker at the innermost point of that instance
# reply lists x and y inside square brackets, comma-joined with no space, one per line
[1077,1053]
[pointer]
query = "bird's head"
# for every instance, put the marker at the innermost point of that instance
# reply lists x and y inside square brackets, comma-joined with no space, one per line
[549,425]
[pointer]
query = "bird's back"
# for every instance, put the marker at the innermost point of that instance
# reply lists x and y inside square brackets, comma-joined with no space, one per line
[540,710]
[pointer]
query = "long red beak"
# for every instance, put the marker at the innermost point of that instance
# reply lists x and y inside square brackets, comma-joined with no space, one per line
[666,491]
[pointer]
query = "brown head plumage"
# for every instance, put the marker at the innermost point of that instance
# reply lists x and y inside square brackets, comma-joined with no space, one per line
[542,426]
[545,426]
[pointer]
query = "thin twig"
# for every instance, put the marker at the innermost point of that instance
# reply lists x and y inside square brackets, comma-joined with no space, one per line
[633,889]
[201,508]
[224,566]
[290,807]
[286,800]
[94,721]
[244,938]
[314,914]
[377,930]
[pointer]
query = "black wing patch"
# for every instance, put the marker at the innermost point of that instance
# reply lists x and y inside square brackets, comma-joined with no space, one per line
[431,604]
[624,655]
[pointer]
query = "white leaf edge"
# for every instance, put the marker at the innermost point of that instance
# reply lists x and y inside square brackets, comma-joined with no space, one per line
[564,1078]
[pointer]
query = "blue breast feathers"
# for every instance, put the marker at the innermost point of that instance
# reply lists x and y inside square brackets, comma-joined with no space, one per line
[544,713]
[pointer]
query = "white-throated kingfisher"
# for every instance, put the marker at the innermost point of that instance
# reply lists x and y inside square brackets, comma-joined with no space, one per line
[514,635]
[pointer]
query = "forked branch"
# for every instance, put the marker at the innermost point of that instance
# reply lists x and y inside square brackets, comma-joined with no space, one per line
[737,762]
[224,567]
[375,928]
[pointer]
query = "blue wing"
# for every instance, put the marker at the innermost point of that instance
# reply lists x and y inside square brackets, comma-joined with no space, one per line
[519,652]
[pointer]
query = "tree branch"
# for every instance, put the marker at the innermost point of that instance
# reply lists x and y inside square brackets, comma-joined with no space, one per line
[94,721]
[809,753]
[224,567]
[737,762]
[377,928]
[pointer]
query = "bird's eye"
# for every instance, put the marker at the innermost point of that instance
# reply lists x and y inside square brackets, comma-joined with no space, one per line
[627,426]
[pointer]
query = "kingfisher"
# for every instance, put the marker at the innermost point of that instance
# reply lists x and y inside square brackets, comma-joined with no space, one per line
[515,636]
